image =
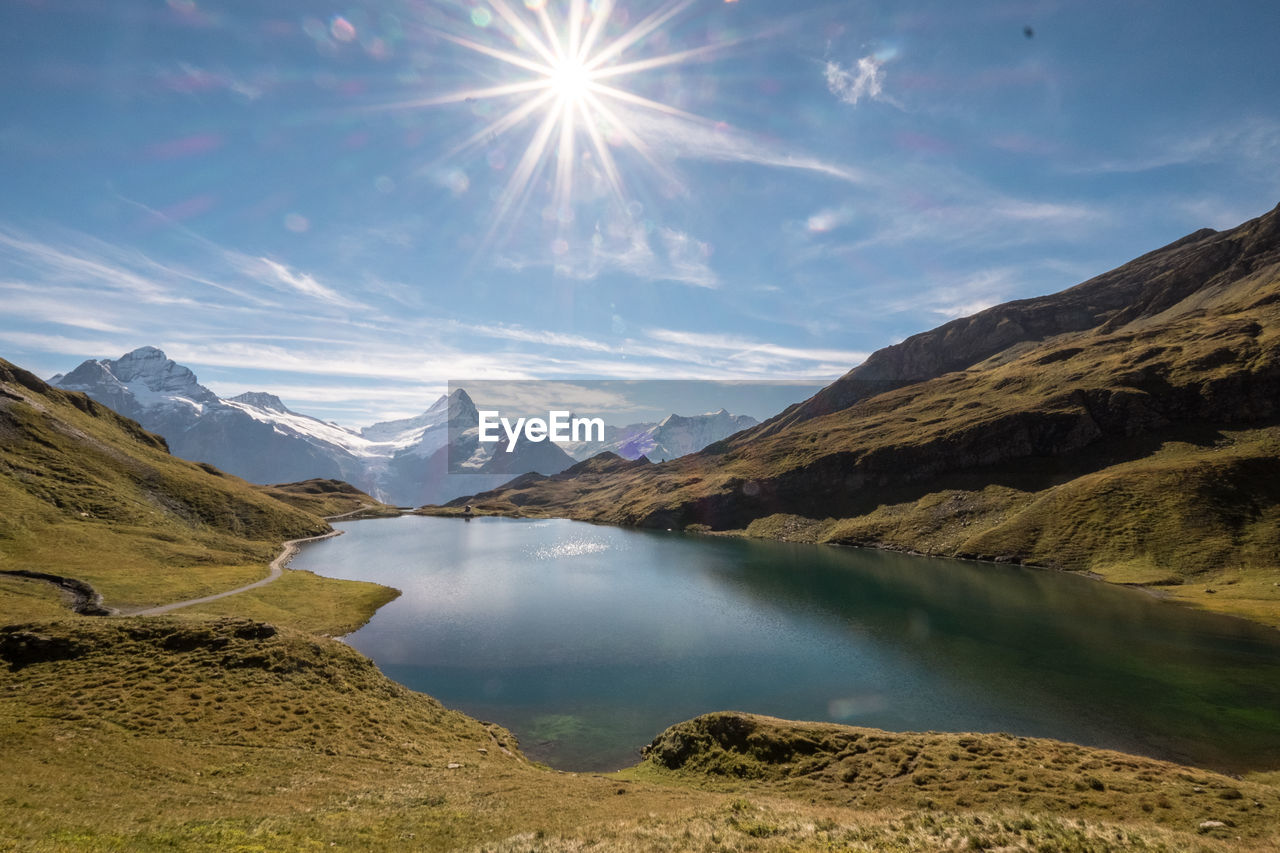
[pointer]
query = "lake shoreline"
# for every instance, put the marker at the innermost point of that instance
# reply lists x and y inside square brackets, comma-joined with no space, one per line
[1160,593]
[1138,734]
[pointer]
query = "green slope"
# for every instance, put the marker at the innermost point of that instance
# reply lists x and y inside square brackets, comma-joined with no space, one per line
[160,734]
[327,498]
[90,495]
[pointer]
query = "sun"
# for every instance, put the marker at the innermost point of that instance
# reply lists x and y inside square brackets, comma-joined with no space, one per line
[566,68]
[570,80]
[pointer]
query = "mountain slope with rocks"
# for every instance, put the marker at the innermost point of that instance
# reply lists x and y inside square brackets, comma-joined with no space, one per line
[1129,427]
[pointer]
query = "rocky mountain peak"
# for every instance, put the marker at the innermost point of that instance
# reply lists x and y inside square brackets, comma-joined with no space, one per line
[461,407]
[143,378]
[261,400]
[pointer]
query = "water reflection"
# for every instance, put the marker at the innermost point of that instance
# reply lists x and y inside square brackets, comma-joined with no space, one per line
[587,641]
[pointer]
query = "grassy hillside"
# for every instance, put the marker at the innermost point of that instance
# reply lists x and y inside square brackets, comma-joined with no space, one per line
[1126,427]
[88,494]
[327,498]
[156,734]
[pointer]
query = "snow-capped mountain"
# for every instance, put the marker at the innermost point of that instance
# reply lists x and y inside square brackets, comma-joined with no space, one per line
[405,462]
[674,436]
[421,435]
[268,409]
[142,380]
[260,440]
[257,437]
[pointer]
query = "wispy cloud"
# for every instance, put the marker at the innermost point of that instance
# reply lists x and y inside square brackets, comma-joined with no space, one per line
[533,336]
[299,334]
[683,139]
[67,264]
[630,247]
[865,79]
[90,347]
[301,282]
[829,219]
[678,257]
[539,396]
[34,305]
[977,291]
[190,79]
[961,210]
[1253,144]
[77,262]
[744,347]
[82,262]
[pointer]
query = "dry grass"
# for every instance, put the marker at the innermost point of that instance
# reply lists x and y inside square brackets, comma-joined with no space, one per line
[304,601]
[951,773]
[156,734]
[23,599]
[329,497]
[760,824]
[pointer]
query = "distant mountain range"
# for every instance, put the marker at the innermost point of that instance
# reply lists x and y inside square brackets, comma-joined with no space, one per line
[89,495]
[1128,426]
[405,462]
[672,437]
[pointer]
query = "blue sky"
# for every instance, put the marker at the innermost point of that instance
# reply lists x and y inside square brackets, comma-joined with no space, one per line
[328,202]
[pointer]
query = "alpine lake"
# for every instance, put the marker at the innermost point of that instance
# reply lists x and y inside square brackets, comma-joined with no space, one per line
[587,641]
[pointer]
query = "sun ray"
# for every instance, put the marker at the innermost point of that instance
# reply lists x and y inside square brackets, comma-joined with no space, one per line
[639,31]
[516,191]
[544,18]
[524,31]
[632,139]
[657,106]
[588,117]
[508,121]
[564,162]
[607,163]
[469,95]
[510,58]
[661,61]
[603,9]
[576,11]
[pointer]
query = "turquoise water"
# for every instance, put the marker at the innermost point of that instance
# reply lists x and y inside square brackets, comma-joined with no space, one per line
[586,641]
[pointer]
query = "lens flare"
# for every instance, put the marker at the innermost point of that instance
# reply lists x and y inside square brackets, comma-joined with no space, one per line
[566,83]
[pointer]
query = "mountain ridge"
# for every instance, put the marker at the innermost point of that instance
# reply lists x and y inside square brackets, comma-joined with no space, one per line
[1010,441]
[1090,304]
[408,461]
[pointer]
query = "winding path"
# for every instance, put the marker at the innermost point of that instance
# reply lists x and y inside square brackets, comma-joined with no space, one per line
[277,569]
[87,601]
[84,599]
